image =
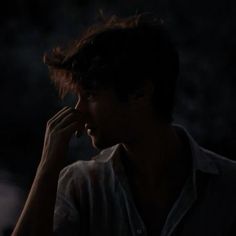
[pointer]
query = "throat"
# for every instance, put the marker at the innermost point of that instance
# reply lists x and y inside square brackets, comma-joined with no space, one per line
[156,174]
[161,182]
[154,165]
[155,155]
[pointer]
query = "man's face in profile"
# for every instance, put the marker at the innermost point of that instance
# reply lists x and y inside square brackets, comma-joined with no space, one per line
[107,120]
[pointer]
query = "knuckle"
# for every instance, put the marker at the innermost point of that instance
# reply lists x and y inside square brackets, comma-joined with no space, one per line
[49,122]
[49,125]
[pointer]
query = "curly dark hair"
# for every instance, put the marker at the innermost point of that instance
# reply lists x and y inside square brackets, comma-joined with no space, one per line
[120,53]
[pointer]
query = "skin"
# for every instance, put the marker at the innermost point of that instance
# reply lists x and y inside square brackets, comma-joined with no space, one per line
[132,124]
[105,114]
[41,199]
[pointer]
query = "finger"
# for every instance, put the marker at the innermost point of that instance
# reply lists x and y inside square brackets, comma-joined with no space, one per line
[58,113]
[69,118]
[56,119]
[70,129]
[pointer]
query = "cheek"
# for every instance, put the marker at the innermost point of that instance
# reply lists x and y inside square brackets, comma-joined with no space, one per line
[100,115]
[109,113]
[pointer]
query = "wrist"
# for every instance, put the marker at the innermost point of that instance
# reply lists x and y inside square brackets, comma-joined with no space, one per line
[49,169]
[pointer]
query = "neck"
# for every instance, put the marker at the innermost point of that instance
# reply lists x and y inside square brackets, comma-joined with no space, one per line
[155,154]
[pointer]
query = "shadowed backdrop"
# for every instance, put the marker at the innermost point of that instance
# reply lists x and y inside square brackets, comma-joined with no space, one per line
[203,31]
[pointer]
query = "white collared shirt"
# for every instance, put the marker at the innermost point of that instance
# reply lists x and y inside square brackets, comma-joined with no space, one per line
[94,198]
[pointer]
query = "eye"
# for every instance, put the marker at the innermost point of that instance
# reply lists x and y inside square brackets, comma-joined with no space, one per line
[90,95]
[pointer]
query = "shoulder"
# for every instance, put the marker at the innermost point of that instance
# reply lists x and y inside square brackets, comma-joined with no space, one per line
[222,184]
[225,166]
[95,169]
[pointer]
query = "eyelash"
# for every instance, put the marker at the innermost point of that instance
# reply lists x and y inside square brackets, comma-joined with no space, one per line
[90,95]
[87,95]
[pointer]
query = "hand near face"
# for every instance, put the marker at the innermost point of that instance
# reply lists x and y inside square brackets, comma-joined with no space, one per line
[59,130]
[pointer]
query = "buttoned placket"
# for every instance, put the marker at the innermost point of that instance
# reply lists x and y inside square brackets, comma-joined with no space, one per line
[139,231]
[184,202]
[135,221]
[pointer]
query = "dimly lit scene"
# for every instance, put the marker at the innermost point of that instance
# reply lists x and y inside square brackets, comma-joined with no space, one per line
[204,35]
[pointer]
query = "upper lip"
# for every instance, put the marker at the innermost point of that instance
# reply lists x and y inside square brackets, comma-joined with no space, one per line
[87,126]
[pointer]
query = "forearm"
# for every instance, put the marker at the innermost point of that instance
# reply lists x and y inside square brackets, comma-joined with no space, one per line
[37,215]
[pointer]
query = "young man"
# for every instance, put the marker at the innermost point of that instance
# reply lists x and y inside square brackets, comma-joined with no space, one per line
[151,177]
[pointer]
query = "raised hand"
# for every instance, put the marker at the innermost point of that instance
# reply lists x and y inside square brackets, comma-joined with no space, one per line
[59,130]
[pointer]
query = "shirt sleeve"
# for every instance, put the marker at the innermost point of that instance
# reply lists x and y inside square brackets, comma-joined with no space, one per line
[66,214]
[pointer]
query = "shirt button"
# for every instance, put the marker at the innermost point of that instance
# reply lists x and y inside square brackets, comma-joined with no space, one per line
[139,231]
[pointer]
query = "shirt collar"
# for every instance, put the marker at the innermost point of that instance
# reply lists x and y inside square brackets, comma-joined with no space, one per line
[201,160]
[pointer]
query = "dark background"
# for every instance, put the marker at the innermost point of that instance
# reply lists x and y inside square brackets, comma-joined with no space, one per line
[203,31]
